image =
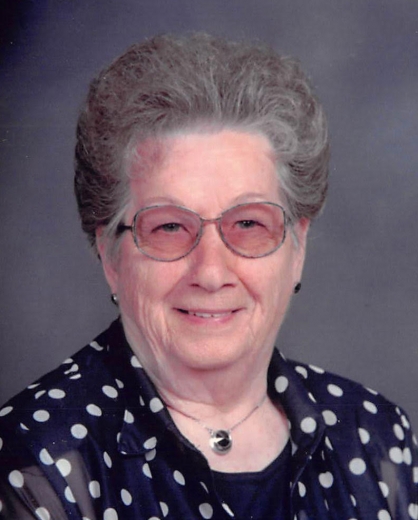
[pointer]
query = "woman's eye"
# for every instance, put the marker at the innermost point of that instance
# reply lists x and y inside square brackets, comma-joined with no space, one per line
[247,224]
[170,227]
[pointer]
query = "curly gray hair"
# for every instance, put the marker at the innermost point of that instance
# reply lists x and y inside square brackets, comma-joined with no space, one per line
[183,83]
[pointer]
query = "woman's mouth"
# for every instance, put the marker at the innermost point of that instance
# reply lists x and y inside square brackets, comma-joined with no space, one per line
[208,314]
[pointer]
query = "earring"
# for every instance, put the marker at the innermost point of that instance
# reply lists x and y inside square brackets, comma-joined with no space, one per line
[114,299]
[297,288]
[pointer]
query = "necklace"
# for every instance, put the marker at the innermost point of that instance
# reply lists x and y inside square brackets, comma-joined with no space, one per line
[221,440]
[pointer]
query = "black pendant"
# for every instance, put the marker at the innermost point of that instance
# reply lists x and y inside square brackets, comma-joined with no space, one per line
[220,441]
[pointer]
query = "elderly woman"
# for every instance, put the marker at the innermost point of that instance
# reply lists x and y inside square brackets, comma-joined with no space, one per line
[200,164]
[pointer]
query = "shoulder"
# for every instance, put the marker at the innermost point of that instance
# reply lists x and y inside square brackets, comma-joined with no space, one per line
[62,406]
[351,410]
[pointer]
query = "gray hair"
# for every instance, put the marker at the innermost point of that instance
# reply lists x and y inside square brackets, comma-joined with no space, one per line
[186,83]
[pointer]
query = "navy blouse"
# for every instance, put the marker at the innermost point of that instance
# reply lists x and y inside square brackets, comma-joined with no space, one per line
[92,440]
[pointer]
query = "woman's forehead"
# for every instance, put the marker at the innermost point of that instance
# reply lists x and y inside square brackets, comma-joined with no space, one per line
[230,166]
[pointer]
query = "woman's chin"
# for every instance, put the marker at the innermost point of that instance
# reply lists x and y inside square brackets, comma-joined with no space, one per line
[210,355]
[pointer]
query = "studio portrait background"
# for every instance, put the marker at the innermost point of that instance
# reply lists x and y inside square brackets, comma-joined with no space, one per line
[357,313]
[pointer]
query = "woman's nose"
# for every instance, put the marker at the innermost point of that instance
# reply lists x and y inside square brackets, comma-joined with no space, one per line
[212,262]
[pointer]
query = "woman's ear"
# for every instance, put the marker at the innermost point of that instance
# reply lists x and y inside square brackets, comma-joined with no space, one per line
[108,260]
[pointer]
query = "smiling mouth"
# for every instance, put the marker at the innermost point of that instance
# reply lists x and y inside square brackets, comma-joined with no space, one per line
[207,315]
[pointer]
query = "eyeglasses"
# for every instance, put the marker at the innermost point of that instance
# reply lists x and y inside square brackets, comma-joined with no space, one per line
[169,233]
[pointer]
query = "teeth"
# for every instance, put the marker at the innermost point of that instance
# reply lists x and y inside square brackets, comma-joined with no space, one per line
[206,315]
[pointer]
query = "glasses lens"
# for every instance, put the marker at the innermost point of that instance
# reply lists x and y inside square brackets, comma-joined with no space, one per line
[166,232]
[254,230]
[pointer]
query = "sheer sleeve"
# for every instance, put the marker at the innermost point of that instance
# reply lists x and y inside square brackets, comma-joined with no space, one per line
[29,490]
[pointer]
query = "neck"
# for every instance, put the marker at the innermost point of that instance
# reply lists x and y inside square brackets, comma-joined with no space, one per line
[226,392]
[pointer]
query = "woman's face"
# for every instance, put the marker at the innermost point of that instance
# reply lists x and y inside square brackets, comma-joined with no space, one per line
[244,300]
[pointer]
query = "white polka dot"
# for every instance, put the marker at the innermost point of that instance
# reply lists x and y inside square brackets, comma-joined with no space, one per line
[205,487]
[413,511]
[141,401]
[398,431]
[128,417]
[156,405]
[79,431]
[364,435]
[69,495]
[405,422]
[329,417]
[154,518]
[316,369]
[75,376]
[383,515]
[40,394]
[150,443]
[64,467]
[326,479]
[302,371]
[56,393]
[96,346]
[328,443]
[42,513]
[407,456]
[110,391]
[150,455]
[92,409]
[73,368]
[357,466]
[41,416]
[308,425]
[373,392]
[206,510]
[301,489]
[353,500]
[164,508]
[415,475]
[35,385]
[119,383]
[107,459]
[335,390]
[1,506]
[370,407]
[227,509]
[384,488]
[126,497]
[146,470]
[4,411]
[45,457]
[16,479]
[178,477]
[110,514]
[281,384]
[24,427]
[135,362]
[1,443]
[396,455]
[311,397]
[94,489]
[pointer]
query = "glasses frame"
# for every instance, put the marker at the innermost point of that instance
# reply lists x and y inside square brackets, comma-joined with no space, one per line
[121,228]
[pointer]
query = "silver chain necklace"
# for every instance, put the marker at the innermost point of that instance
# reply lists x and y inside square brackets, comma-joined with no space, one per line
[221,440]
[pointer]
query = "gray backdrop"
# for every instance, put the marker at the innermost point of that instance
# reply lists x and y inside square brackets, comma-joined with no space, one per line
[357,313]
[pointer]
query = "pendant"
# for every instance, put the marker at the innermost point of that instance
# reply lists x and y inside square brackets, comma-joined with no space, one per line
[220,441]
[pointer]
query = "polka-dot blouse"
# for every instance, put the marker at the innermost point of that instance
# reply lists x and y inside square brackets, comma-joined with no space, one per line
[92,440]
